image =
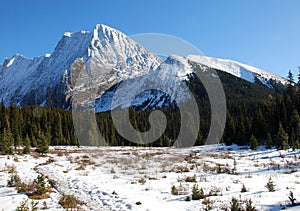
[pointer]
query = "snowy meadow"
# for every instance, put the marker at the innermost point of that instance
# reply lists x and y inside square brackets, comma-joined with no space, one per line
[213,177]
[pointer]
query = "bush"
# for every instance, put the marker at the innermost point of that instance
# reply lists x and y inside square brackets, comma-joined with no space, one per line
[14,180]
[69,201]
[174,190]
[23,206]
[207,203]
[191,179]
[292,199]
[235,205]
[179,190]
[249,206]
[142,181]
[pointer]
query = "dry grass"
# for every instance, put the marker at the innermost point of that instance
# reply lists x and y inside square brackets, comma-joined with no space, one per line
[70,201]
[81,167]
[11,169]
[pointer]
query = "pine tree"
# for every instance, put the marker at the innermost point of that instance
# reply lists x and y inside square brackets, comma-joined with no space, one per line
[41,185]
[282,138]
[290,78]
[294,125]
[244,189]
[269,142]
[230,131]
[57,135]
[6,141]
[26,149]
[253,142]
[42,144]
[270,185]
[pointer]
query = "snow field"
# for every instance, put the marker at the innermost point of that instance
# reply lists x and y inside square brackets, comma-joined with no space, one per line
[131,178]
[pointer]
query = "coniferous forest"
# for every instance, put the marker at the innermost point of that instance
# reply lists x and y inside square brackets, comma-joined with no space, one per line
[256,115]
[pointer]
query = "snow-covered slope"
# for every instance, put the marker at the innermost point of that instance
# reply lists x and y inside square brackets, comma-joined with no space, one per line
[246,72]
[156,89]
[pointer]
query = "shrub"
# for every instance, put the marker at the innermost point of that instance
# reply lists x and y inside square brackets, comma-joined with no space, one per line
[14,180]
[179,190]
[45,206]
[142,181]
[69,201]
[292,199]
[23,206]
[174,190]
[234,170]
[11,169]
[214,191]
[244,189]
[207,203]
[191,178]
[112,171]
[219,169]
[196,193]
[249,206]
[34,205]
[235,205]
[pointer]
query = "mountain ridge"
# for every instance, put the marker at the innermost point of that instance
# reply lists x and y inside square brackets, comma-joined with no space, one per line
[107,56]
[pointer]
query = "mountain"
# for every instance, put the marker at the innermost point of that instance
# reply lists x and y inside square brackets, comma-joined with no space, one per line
[108,66]
[49,80]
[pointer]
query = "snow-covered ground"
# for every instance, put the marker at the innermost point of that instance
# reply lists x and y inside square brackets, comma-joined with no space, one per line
[131,178]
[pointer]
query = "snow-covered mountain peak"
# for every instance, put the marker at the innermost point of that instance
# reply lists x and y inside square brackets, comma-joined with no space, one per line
[104,32]
[180,65]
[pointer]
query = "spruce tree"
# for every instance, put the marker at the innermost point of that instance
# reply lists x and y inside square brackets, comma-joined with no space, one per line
[6,141]
[57,135]
[253,142]
[282,138]
[41,185]
[42,144]
[290,78]
[269,142]
[26,149]
[294,125]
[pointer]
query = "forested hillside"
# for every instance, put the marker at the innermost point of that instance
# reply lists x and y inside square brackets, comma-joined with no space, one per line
[255,115]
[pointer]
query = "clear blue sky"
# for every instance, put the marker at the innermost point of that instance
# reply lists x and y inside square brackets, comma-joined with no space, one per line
[262,33]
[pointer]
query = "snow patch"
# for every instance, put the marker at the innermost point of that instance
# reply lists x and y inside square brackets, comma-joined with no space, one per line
[11,61]
[68,34]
